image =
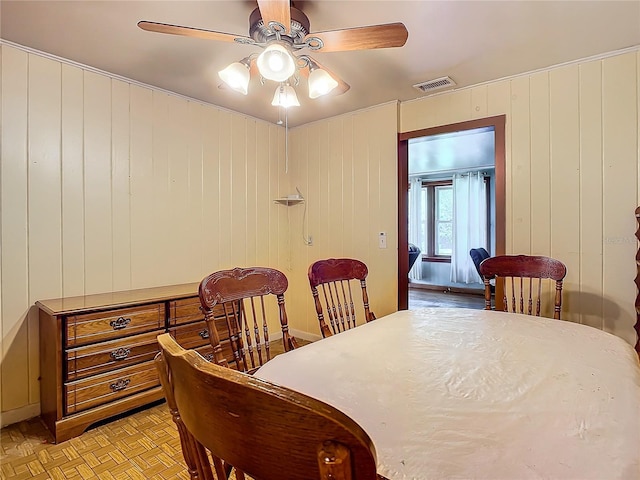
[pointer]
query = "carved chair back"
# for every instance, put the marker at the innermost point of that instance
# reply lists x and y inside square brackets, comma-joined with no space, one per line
[263,430]
[522,276]
[247,297]
[331,279]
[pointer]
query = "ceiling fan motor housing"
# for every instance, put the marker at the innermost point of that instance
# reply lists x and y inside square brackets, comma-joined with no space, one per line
[262,34]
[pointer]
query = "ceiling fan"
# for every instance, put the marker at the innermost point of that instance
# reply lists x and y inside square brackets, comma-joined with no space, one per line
[283,32]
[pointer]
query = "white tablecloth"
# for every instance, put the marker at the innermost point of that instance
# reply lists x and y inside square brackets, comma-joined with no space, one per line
[459,393]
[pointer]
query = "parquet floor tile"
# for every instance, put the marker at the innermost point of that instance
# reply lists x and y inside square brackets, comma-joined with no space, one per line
[141,446]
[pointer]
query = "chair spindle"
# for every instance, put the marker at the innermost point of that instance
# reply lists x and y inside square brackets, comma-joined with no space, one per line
[351,308]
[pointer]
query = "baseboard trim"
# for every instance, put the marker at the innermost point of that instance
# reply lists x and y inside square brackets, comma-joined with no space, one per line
[310,337]
[19,414]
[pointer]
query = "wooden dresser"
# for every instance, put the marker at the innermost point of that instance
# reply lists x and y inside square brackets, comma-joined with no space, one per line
[96,351]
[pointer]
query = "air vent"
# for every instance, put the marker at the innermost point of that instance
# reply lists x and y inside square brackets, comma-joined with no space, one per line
[437,84]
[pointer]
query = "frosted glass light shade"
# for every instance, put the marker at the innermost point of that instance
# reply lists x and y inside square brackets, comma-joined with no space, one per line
[236,76]
[276,63]
[285,96]
[320,83]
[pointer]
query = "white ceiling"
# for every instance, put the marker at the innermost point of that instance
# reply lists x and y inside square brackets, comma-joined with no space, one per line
[470,41]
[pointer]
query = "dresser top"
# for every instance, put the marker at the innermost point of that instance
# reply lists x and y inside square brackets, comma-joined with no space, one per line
[63,306]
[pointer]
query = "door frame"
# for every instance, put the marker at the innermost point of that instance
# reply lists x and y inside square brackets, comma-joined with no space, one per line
[498,123]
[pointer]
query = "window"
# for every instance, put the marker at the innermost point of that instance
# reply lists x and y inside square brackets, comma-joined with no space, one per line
[442,238]
[438,214]
[435,225]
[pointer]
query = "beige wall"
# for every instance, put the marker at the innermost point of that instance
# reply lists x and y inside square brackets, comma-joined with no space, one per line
[572,174]
[346,168]
[108,186]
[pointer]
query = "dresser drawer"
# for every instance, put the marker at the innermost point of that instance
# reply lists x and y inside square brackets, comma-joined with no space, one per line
[108,325]
[196,335]
[192,335]
[98,390]
[187,310]
[107,356]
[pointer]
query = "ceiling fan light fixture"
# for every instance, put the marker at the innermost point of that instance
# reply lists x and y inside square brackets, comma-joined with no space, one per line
[320,83]
[282,31]
[236,76]
[276,63]
[285,96]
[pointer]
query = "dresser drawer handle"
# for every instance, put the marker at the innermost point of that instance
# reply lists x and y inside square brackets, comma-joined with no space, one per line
[120,323]
[204,334]
[209,357]
[120,384]
[120,353]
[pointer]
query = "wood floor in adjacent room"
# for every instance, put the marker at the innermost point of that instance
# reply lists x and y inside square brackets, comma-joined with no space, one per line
[420,297]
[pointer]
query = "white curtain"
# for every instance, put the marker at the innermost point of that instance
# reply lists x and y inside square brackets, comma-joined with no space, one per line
[415,224]
[469,224]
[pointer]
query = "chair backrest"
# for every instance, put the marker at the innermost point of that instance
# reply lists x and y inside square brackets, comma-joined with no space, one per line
[262,429]
[523,275]
[478,255]
[414,253]
[241,294]
[333,277]
[187,442]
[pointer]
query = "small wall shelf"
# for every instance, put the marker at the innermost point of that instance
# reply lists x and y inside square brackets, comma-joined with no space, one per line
[289,201]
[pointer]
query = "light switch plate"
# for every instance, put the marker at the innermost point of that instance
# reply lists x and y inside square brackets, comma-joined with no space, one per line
[382,240]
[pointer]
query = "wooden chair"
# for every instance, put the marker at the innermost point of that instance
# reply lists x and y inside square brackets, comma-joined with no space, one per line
[187,442]
[265,431]
[334,277]
[241,293]
[526,269]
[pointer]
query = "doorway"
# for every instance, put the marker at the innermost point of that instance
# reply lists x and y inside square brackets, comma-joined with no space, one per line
[494,124]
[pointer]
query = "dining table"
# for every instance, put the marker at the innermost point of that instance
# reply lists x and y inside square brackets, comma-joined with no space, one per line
[455,393]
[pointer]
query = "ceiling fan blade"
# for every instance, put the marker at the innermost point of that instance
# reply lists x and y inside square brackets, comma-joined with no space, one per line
[361,38]
[276,11]
[342,85]
[192,32]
